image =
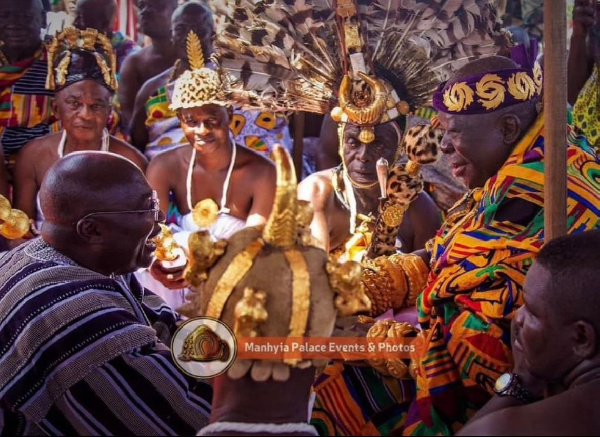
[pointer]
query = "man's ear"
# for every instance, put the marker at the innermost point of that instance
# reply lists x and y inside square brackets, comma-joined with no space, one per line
[584,338]
[511,128]
[90,231]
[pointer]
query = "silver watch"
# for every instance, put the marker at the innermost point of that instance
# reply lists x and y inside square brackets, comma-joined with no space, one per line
[509,384]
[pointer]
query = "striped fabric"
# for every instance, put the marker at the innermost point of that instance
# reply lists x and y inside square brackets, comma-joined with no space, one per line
[476,282]
[80,353]
[25,111]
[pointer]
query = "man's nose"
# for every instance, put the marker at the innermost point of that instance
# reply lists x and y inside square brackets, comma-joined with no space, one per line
[446,146]
[161,216]
[202,129]
[363,153]
[86,112]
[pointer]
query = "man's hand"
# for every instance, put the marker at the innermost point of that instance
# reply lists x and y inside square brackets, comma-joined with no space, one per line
[536,386]
[169,274]
[584,15]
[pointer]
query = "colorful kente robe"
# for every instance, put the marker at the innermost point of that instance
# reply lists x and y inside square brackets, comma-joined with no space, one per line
[25,104]
[479,263]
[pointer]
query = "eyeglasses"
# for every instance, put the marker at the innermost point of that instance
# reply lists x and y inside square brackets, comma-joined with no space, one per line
[155,210]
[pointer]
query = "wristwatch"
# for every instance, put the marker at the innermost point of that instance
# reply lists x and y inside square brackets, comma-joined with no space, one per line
[509,384]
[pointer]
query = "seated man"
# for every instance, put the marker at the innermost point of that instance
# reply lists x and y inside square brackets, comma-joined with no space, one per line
[479,258]
[82,104]
[154,17]
[25,103]
[84,346]
[271,396]
[216,184]
[556,348]
[155,128]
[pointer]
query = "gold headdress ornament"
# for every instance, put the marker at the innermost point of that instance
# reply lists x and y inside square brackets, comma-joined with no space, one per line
[75,55]
[273,281]
[14,223]
[201,85]
[366,61]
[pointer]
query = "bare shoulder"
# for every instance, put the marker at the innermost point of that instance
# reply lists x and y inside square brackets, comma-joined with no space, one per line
[255,162]
[152,85]
[40,145]
[423,204]
[172,159]
[317,188]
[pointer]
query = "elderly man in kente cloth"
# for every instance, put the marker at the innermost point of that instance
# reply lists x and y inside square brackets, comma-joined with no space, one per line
[478,260]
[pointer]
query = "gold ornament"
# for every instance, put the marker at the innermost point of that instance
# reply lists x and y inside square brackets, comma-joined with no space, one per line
[336,114]
[4,208]
[458,97]
[394,214]
[281,230]
[205,213]
[352,36]
[538,77]
[204,253]
[300,296]
[345,280]
[346,8]
[491,91]
[167,248]
[249,313]
[522,86]
[366,135]
[413,168]
[368,113]
[403,107]
[16,225]
[389,328]
[194,51]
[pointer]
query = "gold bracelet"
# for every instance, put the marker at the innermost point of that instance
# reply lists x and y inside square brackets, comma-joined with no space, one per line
[416,272]
[385,284]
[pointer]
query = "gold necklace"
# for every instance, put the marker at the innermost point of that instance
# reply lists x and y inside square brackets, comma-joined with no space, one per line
[456,220]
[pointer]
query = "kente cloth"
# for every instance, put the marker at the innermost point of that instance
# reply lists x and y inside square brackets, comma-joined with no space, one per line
[258,131]
[353,400]
[478,268]
[25,104]
[587,109]
[86,354]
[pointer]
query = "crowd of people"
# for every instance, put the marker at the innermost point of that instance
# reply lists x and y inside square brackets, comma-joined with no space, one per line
[423,218]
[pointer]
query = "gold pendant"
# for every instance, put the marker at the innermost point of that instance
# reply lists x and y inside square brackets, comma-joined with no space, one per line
[393,215]
[205,213]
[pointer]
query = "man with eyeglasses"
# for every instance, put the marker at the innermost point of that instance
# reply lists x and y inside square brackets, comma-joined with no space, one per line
[80,69]
[83,347]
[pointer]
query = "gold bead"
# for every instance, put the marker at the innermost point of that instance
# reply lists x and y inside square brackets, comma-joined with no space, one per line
[337,113]
[403,107]
[412,168]
[367,135]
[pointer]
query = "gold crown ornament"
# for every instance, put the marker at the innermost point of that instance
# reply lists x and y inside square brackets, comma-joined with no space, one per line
[75,55]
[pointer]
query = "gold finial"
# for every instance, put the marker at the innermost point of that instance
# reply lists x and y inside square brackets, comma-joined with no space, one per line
[167,248]
[280,229]
[194,51]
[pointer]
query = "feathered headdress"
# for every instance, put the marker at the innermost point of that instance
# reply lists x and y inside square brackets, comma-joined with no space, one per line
[75,55]
[366,61]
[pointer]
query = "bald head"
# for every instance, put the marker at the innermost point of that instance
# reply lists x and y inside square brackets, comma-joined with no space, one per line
[96,14]
[86,182]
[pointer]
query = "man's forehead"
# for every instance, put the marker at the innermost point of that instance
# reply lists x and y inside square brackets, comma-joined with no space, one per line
[383,132]
[79,92]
